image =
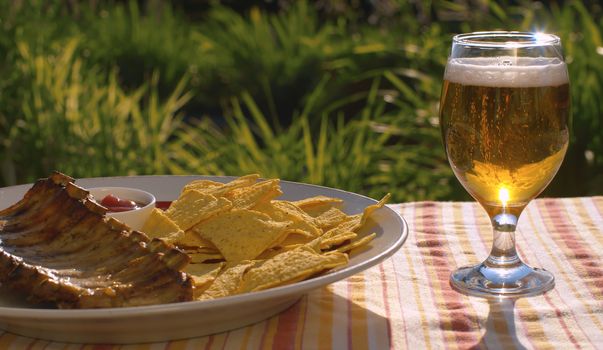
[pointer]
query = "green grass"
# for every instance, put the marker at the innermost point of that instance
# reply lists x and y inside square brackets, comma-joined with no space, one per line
[83,123]
[344,99]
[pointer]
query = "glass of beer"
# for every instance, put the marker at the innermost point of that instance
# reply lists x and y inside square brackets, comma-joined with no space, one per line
[504,116]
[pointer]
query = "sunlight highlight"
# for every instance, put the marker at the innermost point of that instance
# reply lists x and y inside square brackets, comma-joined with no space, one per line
[503,196]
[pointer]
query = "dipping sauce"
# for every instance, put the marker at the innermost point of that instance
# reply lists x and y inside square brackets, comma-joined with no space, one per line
[115,204]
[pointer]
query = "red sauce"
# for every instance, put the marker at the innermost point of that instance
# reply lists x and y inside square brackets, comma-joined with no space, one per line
[163,205]
[116,204]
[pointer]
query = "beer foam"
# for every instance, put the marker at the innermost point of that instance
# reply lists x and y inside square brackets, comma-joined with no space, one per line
[507,71]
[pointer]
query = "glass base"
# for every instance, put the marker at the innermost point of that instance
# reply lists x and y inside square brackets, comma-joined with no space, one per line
[515,281]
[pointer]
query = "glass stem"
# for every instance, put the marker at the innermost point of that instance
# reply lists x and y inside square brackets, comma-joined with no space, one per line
[503,254]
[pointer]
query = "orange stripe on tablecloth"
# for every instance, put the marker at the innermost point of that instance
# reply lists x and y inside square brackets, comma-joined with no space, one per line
[357,321]
[303,310]
[286,328]
[455,317]
[530,318]
[417,293]
[98,346]
[471,211]
[40,344]
[500,318]
[568,251]
[582,206]
[246,337]
[219,340]
[226,339]
[31,344]
[590,268]
[398,301]
[210,342]
[386,307]
[563,322]
[269,333]
[325,336]
[524,313]
[176,345]
[598,203]
[134,347]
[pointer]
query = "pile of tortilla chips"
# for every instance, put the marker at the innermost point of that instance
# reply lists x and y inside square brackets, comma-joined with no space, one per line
[241,238]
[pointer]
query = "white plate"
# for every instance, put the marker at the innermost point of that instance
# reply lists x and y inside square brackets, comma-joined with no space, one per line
[195,318]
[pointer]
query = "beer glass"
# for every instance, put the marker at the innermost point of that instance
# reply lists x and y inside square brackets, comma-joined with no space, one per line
[504,116]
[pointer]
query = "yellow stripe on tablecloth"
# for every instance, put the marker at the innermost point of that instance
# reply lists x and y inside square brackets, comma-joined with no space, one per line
[341,321]
[134,347]
[476,231]
[459,327]
[256,336]
[246,337]
[547,329]
[195,343]
[177,345]
[413,258]
[479,235]
[395,300]
[219,340]
[270,332]
[19,343]
[301,322]
[395,317]
[325,336]
[439,338]
[457,227]
[312,323]
[357,330]
[566,273]
[585,294]
[588,219]
[477,239]
[40,344]
[381,294]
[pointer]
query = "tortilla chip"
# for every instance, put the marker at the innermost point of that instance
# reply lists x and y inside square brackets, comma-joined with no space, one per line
[301,223]
[294,239]
[317,201]
[251,196]
[357,243]
[289,267]
[203,275]
[228,282]
[194,206]
[174,237]
[336,238]
[192,240]
[371,208]
[200,258]
[351,224]
[202,185]
[330,218]
[243,181]
[158,225]
[241,234]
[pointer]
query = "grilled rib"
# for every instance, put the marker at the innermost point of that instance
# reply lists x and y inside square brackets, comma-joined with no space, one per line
[57,245]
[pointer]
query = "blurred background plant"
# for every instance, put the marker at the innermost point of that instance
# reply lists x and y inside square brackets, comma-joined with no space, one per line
[331,92]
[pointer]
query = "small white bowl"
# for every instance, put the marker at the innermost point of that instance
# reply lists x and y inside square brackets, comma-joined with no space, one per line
[134,218]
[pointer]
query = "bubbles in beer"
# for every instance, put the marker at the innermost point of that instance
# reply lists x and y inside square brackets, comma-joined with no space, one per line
[507,71]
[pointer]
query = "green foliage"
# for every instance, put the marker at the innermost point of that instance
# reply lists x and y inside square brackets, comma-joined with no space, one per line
[338,96]
[82,123]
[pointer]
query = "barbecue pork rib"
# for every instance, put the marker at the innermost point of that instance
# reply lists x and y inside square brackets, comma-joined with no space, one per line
[57,245]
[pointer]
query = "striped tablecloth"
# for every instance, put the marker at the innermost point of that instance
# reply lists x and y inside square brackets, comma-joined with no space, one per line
[406,302]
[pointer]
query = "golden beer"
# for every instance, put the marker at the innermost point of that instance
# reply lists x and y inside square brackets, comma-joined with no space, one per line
[505,125]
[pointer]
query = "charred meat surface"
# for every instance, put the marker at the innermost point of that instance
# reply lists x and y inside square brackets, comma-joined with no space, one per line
[56,245]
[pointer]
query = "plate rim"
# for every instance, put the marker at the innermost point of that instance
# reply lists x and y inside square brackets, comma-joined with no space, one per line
[298,288]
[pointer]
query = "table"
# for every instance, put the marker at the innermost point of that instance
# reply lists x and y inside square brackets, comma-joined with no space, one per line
[406,301]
